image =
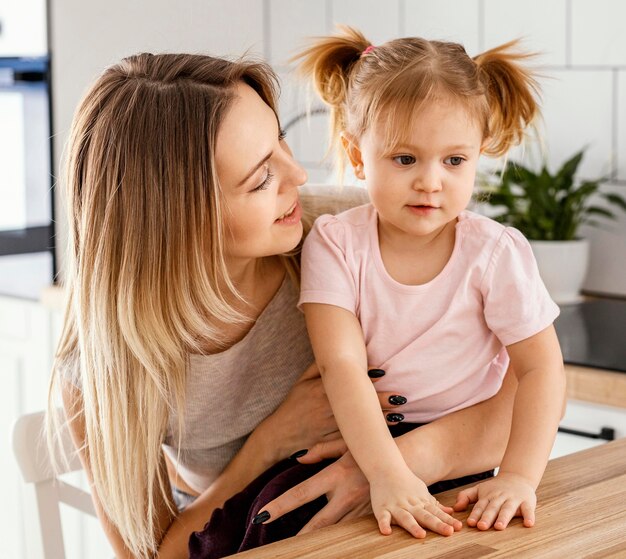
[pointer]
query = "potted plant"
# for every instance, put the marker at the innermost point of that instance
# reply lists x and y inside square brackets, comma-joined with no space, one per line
[549,210]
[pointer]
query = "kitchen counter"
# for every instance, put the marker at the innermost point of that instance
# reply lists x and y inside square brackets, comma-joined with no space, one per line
[581,513]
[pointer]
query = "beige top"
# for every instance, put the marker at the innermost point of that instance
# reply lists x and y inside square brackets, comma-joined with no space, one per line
[230,393]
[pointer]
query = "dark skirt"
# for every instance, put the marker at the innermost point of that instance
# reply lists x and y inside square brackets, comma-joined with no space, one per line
[230,529]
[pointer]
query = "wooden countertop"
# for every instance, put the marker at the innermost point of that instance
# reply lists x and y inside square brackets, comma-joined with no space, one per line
[581,513]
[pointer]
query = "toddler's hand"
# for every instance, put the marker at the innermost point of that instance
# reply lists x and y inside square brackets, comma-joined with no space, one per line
[404,500]
[498,500]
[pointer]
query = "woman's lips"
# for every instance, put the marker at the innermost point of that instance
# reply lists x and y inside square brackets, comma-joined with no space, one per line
[291,216]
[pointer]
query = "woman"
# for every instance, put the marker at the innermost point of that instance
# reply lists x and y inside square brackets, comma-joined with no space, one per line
[182,345]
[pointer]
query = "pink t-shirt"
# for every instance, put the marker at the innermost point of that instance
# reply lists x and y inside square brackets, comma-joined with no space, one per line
[440,343]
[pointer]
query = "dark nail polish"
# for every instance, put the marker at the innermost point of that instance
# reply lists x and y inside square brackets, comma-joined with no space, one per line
[299,453]
[261,517]
[395,417]
[375,373]
[397,400]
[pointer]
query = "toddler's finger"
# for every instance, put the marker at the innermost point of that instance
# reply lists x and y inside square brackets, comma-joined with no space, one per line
[528,512]
[507,512]
[445,517]
[465,497]
[406,520]
[384,522]
[445,508]
[427,519]
[477,512]
[489,514]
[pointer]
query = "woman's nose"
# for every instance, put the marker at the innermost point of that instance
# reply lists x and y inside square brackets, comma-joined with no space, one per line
[295,174]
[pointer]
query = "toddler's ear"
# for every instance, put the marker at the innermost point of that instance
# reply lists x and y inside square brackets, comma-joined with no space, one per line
[353,152]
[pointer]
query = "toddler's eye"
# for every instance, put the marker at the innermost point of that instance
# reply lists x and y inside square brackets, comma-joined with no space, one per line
[455,160]
[404,160]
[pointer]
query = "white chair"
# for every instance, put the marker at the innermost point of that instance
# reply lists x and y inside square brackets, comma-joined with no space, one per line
[33,458]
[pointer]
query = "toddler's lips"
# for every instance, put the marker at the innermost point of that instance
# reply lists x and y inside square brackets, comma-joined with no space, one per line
[422,209]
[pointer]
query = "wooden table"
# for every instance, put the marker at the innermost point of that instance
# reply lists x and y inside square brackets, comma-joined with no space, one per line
[581,514]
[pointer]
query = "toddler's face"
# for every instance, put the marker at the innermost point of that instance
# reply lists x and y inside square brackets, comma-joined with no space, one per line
[425,182]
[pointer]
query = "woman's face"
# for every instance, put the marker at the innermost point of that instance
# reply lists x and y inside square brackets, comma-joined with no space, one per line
[259,180]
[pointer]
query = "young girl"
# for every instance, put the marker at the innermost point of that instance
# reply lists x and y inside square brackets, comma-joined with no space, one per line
[414,284]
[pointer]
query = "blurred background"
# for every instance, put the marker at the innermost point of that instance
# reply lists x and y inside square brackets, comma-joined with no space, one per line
[51,51]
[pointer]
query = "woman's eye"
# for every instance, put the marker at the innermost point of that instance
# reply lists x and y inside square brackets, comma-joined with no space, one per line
[404,160]
[455,160]
[266,182]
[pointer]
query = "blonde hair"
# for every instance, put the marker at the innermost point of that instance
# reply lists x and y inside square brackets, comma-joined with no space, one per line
[146,275]
[361,85]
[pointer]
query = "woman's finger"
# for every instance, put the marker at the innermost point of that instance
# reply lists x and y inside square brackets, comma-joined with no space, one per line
[325,449]
[295,497]
[390,400]
[332,513]
[375,374]
[311,372]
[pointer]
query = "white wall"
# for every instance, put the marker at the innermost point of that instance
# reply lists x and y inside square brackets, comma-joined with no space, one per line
[582,41]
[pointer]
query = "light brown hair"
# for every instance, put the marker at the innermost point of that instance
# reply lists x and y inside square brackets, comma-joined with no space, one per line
[146,276]
[392,80]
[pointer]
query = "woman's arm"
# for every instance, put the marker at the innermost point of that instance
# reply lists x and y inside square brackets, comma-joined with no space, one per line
[302,420]
[464,442]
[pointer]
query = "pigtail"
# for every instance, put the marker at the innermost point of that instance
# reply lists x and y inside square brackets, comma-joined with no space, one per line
[328,63]
[512,93]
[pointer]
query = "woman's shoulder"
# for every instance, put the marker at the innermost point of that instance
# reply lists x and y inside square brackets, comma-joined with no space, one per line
[325,199]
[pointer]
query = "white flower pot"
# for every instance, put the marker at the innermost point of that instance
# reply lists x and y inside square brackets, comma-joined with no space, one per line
[563,267]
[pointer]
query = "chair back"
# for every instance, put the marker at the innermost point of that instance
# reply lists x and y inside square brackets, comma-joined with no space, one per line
[31,453]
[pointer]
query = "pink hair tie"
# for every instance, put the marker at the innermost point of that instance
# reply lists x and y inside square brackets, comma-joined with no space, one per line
[368,50]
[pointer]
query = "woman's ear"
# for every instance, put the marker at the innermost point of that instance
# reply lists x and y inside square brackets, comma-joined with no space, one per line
[353,152]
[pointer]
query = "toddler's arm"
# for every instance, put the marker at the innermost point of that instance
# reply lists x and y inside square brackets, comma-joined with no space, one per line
[398,496]
[537,411]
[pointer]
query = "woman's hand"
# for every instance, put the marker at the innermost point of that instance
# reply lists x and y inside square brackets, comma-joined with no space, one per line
[345,487]
[304,421]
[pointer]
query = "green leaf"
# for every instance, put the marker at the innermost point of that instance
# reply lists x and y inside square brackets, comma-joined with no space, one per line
[615,199]
[565,176]
[547,206]
[595,210]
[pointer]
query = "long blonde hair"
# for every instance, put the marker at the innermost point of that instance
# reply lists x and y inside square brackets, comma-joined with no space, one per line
[146,276]
[361,84]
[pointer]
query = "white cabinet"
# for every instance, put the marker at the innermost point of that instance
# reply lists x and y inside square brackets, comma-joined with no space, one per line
[587,418]
[23,28]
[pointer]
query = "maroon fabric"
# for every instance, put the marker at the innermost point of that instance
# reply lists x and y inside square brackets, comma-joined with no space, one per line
[230,529]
